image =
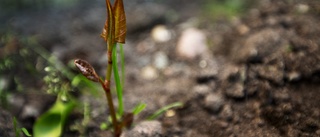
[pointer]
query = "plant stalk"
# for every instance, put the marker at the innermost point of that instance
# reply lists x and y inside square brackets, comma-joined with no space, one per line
[106,88]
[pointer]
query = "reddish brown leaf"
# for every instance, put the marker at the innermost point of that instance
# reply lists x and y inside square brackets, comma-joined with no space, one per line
[104,33]
[120,21]
[109,26]
[86,70]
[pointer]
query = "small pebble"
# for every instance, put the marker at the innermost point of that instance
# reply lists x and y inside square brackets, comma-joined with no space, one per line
[281,95]
[226,113]
[160,33]
[161,60]
[203,64]
[223,124]
[145,129]
[3,84]
[30,111]
[236,91]
[214,102]
[170,113]
[302,8]
[243,29]
[201,90]
[293,76]
[191,44]
[149,73]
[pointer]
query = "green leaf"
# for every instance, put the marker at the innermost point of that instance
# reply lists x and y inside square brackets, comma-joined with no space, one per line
[117,81]
[25,132]
[104,126]
[164,109]
[122,64]
[15,125]
[80,80]
[139,108]
[51,123]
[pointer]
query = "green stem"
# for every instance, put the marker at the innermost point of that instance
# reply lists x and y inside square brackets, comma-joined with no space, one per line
[106,88]
[109,67]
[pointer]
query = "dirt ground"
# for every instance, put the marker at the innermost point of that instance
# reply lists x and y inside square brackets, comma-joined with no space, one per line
[259,77]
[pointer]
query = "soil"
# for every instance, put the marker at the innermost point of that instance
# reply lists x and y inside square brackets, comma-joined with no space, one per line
[261,72]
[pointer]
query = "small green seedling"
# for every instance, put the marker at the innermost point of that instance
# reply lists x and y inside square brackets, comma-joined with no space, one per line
[114,32]
[17,129]
[164,109]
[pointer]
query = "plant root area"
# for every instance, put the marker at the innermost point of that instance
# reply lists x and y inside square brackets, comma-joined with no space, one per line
[258,75]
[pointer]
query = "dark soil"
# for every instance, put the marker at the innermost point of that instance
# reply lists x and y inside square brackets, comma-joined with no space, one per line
[261,78]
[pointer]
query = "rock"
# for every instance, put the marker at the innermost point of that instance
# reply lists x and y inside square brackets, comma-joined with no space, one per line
[149,73]
[170,113]
[145,129]
[302,8]
[161,60]
[258,46]
[214,102]
[243,29]
[211,66]
[191,44]
[223,124]
[281,95]
[235,91]
[201,90]
[160,33]
[293,76]
[4,83]
[226,113]
[273,73]
[29,111]
[234,77]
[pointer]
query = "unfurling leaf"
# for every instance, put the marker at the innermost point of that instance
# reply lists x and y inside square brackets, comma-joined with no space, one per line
[108,30]
[87,70]
[120,21]
[104,33]
[115,27]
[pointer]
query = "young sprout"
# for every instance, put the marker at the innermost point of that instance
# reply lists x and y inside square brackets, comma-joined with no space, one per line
[114,32]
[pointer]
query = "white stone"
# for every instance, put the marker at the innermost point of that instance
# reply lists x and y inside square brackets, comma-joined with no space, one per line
[192,43]
[160,33]
[149,73]
[161,60]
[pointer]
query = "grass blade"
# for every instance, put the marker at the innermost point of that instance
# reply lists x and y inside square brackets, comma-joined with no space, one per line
[139,108]
[15,125]
[117,80]
[122,64]
[164,109]
[25,132]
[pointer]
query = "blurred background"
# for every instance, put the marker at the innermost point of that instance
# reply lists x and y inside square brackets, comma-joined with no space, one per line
[176,50]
